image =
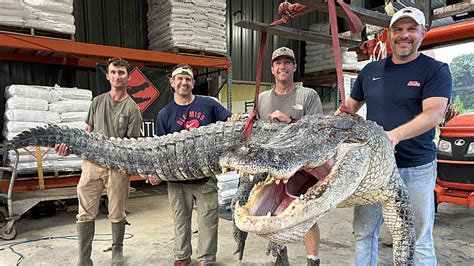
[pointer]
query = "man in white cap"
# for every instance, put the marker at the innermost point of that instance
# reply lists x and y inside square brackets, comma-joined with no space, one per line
[407,94]
[287,102]
[189,111]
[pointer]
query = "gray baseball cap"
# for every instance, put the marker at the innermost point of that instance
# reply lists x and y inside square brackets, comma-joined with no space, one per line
[283,51]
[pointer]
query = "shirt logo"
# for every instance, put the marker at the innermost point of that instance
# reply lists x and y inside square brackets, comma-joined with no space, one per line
[413,83]
[298,106]
[191,124]
[376,78]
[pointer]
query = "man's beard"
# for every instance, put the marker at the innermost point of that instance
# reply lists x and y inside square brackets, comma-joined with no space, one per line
[406,52]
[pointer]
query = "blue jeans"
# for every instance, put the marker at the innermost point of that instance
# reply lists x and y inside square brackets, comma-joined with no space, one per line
[420,182]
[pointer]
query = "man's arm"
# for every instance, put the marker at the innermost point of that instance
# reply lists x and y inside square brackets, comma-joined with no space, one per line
[353,105]
[432,115]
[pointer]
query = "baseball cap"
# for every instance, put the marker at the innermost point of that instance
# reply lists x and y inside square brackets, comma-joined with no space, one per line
[283,51]
[409,12]
[182,70]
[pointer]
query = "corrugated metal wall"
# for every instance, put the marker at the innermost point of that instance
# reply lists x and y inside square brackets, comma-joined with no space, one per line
[243,43]
[120,23]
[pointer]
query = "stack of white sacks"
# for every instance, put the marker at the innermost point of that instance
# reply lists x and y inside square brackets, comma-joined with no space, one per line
[50,15]
[227,186]
[187,24]
[36,106]
[321,56]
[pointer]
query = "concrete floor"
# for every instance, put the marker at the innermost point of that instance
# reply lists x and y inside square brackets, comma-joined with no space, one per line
[149,240]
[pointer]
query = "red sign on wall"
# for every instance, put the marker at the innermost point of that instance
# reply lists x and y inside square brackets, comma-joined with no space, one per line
[142,91]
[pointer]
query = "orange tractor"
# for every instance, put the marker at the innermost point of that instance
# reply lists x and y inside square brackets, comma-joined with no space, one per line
[455,182]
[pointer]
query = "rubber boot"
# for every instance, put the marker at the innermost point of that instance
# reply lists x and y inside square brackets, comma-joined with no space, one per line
[85,235]
[312,262]
[118,232]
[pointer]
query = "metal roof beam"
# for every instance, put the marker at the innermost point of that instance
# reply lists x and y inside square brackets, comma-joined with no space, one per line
[294,34]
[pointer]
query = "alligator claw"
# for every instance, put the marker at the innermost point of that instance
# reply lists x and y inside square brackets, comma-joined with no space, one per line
[240,237]
[280,252]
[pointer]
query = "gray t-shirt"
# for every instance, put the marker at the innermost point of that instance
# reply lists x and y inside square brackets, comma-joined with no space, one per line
[297,103]
[114,118]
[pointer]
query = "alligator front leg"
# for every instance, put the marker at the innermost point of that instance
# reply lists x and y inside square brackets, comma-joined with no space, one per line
[280,252]
[241,196]
[398,215]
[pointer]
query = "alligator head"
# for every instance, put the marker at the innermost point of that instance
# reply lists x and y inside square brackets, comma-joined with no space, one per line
[313,166]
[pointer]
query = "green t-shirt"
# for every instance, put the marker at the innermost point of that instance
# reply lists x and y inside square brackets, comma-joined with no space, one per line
[114,118]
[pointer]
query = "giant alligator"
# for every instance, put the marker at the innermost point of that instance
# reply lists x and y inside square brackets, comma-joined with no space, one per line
[313,166]
[350,163]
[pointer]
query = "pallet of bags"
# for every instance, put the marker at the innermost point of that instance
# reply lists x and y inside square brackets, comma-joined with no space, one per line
[13,13]
[187,25]
[35,106]
[46,16]
[227,187]
[320,57]
[51,15]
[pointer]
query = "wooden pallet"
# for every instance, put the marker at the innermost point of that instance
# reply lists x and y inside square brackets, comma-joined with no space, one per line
[200,52]
[37,32]
[322,77]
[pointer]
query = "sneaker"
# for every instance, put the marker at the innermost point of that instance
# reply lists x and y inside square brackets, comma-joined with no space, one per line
[184,262]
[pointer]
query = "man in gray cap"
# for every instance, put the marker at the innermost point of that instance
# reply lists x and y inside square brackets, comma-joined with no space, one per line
[407,94]
[287,102]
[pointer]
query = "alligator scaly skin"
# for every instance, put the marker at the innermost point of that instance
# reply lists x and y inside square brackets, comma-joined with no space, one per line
[188,155]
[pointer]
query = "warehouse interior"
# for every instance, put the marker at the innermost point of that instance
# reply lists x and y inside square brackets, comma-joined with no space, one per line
[53,58]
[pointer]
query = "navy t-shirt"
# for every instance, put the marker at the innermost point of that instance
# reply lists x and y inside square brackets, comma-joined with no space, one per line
[202,111]
[394,94]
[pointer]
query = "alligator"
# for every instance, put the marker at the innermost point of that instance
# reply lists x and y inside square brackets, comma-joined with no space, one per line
[313,165]
[166,157]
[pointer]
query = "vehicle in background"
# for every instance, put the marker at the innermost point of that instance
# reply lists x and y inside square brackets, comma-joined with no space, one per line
[455,182]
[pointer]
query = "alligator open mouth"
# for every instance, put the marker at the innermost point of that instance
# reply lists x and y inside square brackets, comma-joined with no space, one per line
[272,196]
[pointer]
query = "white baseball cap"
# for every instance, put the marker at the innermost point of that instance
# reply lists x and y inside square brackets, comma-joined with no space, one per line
[409,12]
[182,70]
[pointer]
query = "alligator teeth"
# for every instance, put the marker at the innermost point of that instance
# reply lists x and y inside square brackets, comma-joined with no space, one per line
[277,181]
[285,181]
[269,214]
[251,177]
[302,196]
[225,170]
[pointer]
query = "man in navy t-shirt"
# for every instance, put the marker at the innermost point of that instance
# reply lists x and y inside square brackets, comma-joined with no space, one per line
[189,111]
[406,94]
